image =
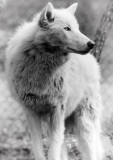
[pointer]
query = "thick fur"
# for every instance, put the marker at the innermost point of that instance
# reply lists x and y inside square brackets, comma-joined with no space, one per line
[47,79]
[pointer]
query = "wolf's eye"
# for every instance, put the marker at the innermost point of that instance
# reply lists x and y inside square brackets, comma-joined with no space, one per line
[67,28]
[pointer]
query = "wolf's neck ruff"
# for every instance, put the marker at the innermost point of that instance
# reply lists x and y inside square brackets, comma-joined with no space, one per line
[39,78]
[44,64]
[35,68]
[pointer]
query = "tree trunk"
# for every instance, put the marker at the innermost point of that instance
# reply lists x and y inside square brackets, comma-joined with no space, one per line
[102,32]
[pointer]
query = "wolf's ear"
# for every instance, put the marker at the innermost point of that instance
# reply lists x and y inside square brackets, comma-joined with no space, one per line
[47,15]
[72,8]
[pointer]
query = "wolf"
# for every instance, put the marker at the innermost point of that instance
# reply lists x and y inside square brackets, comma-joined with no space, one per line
[53,76]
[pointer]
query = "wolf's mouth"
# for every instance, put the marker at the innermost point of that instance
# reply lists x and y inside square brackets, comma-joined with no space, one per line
[80,52]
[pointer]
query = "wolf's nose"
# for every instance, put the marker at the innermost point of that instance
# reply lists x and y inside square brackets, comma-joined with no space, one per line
[91,44]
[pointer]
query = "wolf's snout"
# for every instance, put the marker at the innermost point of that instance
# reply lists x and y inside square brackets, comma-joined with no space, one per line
[91,44]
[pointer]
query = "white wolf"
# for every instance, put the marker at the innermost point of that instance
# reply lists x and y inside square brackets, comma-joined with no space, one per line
[50,75]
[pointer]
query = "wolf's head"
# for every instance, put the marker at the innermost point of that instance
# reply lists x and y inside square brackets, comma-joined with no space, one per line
[59,31]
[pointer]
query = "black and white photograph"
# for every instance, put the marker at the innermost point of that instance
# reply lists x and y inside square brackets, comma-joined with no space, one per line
[56,79]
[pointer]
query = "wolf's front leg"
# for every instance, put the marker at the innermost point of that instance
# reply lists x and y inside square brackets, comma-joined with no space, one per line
[34,123]
[64,155]
[88,131]
[56,133]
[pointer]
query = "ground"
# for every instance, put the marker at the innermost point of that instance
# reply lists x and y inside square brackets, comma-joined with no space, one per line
[15,141]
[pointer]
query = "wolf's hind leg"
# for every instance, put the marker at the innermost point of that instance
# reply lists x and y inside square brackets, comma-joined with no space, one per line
[88,129]
[34,123]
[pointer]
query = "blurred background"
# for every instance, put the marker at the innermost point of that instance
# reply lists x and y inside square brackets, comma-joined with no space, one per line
[15,143]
